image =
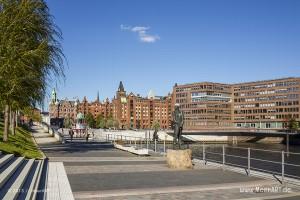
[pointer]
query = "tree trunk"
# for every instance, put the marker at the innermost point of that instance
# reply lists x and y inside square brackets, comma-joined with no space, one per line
[6,123]
[17,118]
[10,119]
[13,131]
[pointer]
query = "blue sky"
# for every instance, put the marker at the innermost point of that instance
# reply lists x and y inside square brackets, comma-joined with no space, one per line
[154,44]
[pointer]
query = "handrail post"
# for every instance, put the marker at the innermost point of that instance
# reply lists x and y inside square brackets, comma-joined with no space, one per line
[203,153]
[155,145]
[249,158]
[282,167]
[223,155]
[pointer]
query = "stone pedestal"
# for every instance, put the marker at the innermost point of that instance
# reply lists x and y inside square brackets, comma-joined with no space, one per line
[179,159]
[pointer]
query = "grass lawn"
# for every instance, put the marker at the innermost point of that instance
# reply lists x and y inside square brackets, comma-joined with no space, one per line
[21,144]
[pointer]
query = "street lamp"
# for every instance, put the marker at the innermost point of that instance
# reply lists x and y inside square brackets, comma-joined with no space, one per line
[57,104]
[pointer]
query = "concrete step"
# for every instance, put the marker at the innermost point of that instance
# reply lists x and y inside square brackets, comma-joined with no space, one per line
[18,183]
[43,181]
[5,159]
[35,181]
[8,172]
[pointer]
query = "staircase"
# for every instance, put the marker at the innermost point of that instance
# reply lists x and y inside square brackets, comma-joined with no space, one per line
[22,179]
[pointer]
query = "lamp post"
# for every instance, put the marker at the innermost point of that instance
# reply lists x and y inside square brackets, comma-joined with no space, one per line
[57,104]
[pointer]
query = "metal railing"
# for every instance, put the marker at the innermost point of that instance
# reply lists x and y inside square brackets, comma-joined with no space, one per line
[159,146]
[277,163]
[280,164]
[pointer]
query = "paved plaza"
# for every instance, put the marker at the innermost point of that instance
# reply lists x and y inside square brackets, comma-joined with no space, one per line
[96,170]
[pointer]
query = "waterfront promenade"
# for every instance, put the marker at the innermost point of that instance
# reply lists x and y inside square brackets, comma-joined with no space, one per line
[95,170]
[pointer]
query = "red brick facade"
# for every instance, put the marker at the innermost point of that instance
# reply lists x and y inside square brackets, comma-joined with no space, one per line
[131,111]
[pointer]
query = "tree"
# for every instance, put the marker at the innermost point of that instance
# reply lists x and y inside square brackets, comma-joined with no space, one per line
[155,125]
[293,125]
[30,52]
[68,122]
[116,124]
[110,123]
[32,113]
[100,121]
[89,118]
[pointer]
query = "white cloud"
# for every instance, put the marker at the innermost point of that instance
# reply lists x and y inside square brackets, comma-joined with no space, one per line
[148,38]
[142,33]
[139,29]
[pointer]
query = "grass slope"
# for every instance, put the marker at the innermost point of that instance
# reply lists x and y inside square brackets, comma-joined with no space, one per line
[20,144]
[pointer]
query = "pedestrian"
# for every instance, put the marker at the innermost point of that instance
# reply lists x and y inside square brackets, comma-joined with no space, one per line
[87,136]
[71,133]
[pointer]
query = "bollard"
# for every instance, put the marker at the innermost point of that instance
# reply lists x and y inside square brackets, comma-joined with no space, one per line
[249,167]
[141,143]
[154,145]
[135,142]
[282,167]
[165,146]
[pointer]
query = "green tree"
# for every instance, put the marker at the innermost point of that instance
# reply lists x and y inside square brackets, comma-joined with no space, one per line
[89,118]
[110,123]
[116,124]
[68,122]
[30,52]
[293,125]
[100,121]
[155,125]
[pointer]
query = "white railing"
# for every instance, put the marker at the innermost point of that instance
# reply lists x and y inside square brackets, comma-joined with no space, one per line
[137,142]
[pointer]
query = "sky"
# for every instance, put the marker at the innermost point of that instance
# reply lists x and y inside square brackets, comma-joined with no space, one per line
[155,44]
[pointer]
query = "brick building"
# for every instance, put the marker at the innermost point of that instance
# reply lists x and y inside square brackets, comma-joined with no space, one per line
[260,104]
[205,104]
[130,110]
[135,111]
[266,104]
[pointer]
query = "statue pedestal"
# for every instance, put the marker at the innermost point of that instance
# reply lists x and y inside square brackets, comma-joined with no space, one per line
[179,159]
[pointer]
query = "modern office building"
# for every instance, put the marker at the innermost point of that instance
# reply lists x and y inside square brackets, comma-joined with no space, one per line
[205,104]
[261,104]
[266,104]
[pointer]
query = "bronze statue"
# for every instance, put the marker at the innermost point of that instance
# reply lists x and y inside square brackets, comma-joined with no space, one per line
[178,121]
